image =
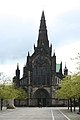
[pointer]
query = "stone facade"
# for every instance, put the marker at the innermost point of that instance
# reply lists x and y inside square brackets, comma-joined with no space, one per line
[41,74]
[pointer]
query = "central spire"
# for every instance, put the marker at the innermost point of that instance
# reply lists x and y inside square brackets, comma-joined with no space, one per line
[43,22]
[43,37]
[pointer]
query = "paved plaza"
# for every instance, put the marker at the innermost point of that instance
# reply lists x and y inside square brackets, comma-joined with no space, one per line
[37,114]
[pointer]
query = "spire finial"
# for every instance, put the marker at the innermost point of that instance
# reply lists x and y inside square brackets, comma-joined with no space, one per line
[43,16]
[28,53]
[65,65]
[43,22]
[17,65]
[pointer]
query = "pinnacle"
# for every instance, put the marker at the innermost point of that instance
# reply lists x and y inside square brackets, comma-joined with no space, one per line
[43,16]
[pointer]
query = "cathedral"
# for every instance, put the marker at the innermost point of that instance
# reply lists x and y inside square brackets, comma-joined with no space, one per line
[41,73]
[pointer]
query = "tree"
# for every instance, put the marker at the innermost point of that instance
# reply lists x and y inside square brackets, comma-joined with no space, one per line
[9,92]
[77,61]
[70,89]
[66,90]
[21,93]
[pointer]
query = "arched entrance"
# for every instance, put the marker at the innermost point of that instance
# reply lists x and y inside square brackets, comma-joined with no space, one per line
[42,97]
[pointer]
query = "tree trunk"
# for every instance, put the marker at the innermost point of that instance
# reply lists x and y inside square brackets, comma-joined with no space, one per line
[68,104]
[19,103]
[71,105]
[10,104]
[1,103]
[74,104]
[79,104]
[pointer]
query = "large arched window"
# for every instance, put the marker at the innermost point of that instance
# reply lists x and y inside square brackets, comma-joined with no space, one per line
[41,71]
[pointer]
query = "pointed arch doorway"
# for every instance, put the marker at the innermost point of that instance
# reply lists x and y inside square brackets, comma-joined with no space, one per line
[42,97]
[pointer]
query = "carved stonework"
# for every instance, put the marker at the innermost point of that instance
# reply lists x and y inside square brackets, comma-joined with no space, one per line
[40,71]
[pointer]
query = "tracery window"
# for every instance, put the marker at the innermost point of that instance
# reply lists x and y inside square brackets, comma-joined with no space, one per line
[41,71]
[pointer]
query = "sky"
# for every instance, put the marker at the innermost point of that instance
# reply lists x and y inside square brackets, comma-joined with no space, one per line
[19,26]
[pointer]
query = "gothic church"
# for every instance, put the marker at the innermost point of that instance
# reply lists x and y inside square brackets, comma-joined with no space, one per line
[41,74]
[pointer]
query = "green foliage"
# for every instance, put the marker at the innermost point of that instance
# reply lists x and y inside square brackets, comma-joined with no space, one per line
[70,87]
[10,92]
[21,93]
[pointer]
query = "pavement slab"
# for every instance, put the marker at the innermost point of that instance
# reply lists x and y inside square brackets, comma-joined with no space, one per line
[36,113]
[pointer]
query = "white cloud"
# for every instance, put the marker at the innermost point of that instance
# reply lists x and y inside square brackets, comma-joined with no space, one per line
[9,69]
[31,9]
[66,53]
[27,13]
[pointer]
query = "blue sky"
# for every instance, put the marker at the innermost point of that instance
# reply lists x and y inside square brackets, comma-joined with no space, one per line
[19,25]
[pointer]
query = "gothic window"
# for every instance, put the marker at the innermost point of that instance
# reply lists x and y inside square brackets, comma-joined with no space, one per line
[41,71]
